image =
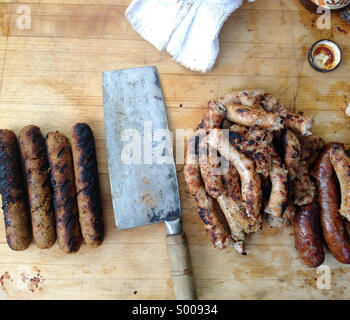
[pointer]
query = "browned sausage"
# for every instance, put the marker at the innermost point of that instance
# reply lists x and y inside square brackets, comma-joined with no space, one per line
[87,184]
[304,189]
[12,190]
[65,202]
[205,204]
[214,116]
[307,235]
[248,116]
[249,98]
[191,168]
[292,150]
[211,222]
[333,226]
[295,122]
[33,152]
[250,180]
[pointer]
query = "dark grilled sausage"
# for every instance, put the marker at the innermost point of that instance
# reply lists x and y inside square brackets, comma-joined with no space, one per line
[87,184]
[34,157]
[64,201]
[14,204]
[307,235]
[333,226]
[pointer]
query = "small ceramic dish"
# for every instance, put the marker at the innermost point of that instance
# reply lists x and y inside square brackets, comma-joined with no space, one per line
[325,55]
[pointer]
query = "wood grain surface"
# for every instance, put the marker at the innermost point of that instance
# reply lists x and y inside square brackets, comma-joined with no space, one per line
[50,76]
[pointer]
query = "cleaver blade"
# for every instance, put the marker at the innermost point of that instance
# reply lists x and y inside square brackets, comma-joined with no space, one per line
[142,171]
[143,192]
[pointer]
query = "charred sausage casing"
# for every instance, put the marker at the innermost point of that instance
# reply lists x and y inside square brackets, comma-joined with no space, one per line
[292,150]
[87,184]
[307,235]
[65,202]
[191,167]
[211,222]
[303,187]
[248,116]
[14,204]
[205,204]
[34,157]
[250,180]
[295,122]
[333,226]
[214,116]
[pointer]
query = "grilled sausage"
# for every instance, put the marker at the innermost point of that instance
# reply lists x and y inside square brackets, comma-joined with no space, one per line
[292,150]
[278,174]
[229,195]
[87,184]
[209,166]
[307,235]
[289,213]
[295,122]
[237,128]
[233,205]
[333,226]
[205,204]
[14,204]
[250,180]
[257,143]
[341,164]
[252,142]
[34,157]
[214,116]
[311,148]
[249,98]
[211,222]
[304,189]
[191,167]
[248,116]
[65,202]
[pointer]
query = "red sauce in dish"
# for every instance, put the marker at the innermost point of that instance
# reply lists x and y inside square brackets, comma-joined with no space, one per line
[325,51]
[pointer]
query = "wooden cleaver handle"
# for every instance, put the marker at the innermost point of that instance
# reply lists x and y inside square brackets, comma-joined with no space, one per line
[181,267]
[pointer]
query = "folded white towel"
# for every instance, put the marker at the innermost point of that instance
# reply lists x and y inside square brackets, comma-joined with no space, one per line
[156,20]
[188,29]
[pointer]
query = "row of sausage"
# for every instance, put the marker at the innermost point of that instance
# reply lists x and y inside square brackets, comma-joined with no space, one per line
[50,189]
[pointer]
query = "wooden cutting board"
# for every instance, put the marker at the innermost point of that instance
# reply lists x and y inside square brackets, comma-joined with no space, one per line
[50,75]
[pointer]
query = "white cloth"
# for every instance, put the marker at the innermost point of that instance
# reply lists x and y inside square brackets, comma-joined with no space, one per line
[188,29]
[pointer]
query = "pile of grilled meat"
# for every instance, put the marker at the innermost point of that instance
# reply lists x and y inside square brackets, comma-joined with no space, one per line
[256,158]
[61,195]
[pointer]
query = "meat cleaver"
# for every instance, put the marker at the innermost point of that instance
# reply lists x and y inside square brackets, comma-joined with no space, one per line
[141,164]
